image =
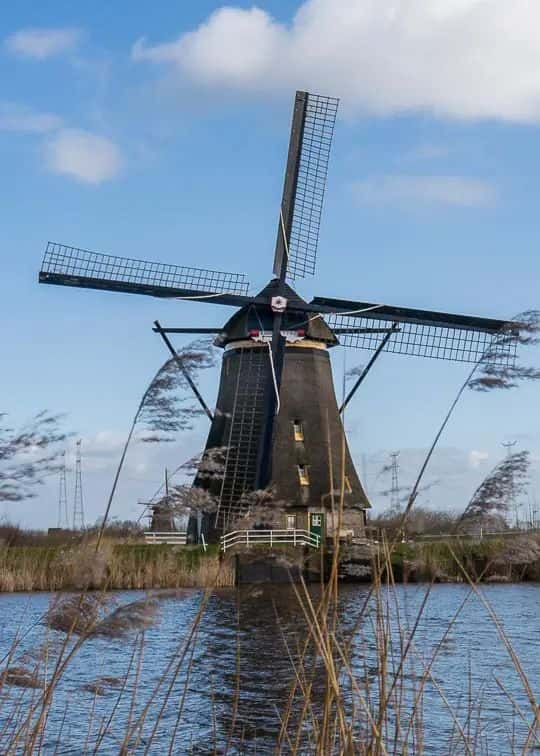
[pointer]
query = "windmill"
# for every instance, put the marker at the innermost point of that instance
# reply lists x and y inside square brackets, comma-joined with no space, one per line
[277,422]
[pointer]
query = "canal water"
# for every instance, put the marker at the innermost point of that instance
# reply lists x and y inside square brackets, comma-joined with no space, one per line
[224,684]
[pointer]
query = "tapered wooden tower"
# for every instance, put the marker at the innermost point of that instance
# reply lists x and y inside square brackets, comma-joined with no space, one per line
[310,460]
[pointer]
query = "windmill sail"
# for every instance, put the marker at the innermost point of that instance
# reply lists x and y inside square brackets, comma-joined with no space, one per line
[420,333]
[312,130]
[71,266]
[298,234]
[276,396]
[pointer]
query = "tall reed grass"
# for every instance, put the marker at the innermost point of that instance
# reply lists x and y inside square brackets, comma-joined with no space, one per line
[114,567]
[352,689]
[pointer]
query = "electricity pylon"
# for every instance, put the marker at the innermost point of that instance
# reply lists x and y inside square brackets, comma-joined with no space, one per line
[78,506]
[394,492]
[63,517]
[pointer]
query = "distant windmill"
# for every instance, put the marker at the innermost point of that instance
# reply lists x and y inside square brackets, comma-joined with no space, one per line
[277,415]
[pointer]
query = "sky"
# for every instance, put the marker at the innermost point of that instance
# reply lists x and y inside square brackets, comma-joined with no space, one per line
[160,132]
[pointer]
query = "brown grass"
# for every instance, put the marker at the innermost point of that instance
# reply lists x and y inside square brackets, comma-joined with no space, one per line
[361,710]
[115,566]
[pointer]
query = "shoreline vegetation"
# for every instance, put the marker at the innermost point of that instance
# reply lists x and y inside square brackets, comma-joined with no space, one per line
[361,687]
[352,688]
[138,566]
[117,566]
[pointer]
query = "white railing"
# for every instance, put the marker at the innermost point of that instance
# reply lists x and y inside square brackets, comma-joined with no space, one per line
[269,538]
[479,536]
[179,538]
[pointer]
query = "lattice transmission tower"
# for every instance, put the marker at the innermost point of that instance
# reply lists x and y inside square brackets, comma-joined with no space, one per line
[78,505]
[63,517]
[508,445]
[394,491]
[513,506]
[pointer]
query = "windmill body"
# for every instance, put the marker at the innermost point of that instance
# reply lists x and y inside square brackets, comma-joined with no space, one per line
[309,451]
[277,426]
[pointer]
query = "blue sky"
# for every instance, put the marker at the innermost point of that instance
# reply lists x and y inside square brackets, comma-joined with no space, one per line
[161,133]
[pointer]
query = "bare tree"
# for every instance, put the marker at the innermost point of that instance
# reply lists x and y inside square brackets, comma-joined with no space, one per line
[187,499]
[524,330]
[354,372]
[261,509]
[491,500]
[28,455]
[492,372]
[208,465]
[167,406]
[421,521]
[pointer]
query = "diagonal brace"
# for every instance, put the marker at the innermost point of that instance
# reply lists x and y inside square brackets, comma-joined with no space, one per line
[158,329]
[368,367]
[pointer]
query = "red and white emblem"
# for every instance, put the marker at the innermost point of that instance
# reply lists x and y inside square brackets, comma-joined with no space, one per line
[278,304]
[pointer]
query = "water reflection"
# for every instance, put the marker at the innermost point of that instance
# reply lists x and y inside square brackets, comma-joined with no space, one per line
[229,683]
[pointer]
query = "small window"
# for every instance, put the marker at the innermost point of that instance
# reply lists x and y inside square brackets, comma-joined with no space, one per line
[303,475]
[298,430]
[316,520]
[291,522]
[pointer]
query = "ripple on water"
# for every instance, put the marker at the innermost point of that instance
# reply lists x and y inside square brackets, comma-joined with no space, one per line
[256,657]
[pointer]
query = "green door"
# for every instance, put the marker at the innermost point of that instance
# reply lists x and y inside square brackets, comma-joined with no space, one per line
[316,524]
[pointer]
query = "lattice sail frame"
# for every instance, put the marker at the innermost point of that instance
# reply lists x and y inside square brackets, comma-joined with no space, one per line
[427,340]
[72,262]
[319,125]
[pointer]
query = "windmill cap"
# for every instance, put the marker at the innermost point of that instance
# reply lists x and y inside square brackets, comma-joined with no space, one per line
[260,317]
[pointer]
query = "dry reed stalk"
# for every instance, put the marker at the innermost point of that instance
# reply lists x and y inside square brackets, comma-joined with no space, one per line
[21,677]
[516,707]
[170,668]
[427,675]
[108,723]
[237,681]
[334,727]
[427,669]
[535,708]
[81,624]
[80,569]
[335,733]
[299,681]
[188,644]
[382,636]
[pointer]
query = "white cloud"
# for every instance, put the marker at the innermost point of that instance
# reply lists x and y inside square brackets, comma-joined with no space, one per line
[42,43]
[104,444]
[477,457]
[457,191]
[83,155]
[17,117]
[212,53]
[458,58]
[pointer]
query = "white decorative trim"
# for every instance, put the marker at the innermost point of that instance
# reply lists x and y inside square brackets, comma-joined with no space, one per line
[247,343]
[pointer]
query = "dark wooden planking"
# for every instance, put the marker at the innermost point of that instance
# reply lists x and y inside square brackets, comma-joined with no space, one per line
[408,315]
[64,279]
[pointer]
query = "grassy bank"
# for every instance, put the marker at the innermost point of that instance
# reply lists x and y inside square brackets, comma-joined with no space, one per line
[359,681]
[116,566]
[490,560]
[124,566]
